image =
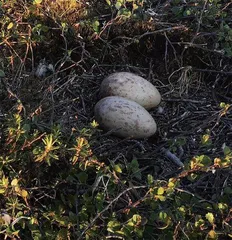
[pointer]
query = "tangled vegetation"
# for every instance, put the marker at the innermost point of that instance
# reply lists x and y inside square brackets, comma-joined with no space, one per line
[61,176]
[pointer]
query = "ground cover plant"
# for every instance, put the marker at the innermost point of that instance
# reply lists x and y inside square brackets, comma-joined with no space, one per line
[61,176]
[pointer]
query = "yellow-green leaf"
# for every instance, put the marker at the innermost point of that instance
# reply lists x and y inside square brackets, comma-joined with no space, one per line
[150,179]
[160,191]
[14,182]
[117,168]
[17,189]
[38,1]
[2,190]
[171,185]
[222,105]
[118,5]
[210,217]
[206,139]
[10,25]
[161,198]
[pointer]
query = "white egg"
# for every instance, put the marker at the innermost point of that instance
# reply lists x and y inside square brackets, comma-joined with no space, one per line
[124,117]
[131,86]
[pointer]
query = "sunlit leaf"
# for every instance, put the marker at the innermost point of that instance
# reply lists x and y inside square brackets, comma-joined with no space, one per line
[205,140]
[17,189]
[37,1]
[210,217]
[137,219]
[160,191]
[117,168]
[108,2]
[222,104]
[118,5]
[24,193]
[171,185]
[94,124]
[199,223]
[161,198]
[112,226]
[212,235]
[10,25]
[14,182]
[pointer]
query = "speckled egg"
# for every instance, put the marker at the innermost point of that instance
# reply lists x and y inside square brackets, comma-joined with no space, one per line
[132,87]
[124,117]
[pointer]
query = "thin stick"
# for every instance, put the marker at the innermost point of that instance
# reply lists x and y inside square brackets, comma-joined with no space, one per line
[106,208]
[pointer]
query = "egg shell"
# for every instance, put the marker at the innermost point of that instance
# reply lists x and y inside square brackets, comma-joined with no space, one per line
[132,87]
[125,117]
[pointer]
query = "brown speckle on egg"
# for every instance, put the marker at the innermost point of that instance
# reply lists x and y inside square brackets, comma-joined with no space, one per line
[126,117]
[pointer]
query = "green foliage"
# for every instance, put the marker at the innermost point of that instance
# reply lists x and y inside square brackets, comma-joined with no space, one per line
[225,38]
[64,177]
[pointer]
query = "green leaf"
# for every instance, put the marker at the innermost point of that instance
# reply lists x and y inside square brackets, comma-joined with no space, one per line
[124,12]
[62,234]
[127,229]
[163,216]
[117,168]
[134,168]
[150,179]
[100,198]
[204,160]
[228,190]
[134,165]
[2,74]
[210,217]
[182,210]
[113,226]
[188,12]
[226,150]
[96,25]
[26,127]
[82,176]
[139,232]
